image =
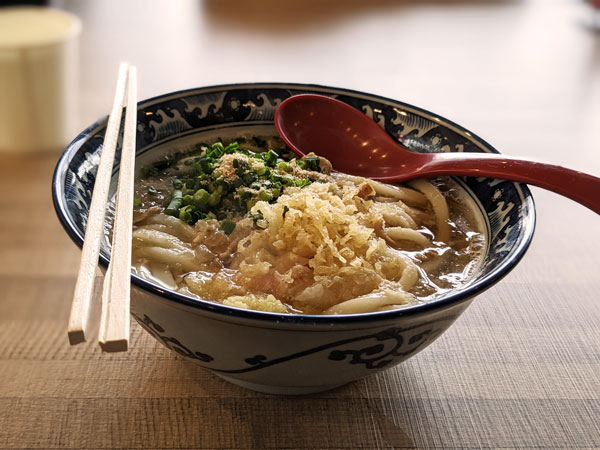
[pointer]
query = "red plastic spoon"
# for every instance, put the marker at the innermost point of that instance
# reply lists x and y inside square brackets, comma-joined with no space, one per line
[358,146]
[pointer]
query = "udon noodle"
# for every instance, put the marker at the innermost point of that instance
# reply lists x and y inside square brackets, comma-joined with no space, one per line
[254,228]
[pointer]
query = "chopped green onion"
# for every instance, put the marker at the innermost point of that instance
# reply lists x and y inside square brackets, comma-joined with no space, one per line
[216,150]
[227,226]
[303,182]
[271,158]
[244,193]
[259,220]
[249,177]
[240,164]
[263,171]
[312,162]
[201,197]
[231,148]
[185,213]
[187,200]
[284,166]
[265,196]
[204,165]
[176,199]
[214,198]
[203,189]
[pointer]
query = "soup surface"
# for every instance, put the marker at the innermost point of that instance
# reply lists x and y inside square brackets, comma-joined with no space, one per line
[247,225]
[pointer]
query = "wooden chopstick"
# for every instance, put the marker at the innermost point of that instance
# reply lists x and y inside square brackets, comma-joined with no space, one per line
[114,325]
[79,320]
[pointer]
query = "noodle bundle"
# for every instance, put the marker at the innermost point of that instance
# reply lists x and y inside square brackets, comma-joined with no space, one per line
[285,235]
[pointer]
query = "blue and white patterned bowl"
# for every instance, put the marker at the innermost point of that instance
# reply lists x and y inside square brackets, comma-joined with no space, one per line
[292,354]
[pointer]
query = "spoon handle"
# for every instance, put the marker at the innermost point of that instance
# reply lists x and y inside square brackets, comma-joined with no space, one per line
[578,186]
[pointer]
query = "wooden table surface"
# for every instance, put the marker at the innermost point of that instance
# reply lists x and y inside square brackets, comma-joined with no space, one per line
[521,367]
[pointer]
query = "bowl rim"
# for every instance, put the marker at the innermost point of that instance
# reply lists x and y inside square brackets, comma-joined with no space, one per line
[462,295]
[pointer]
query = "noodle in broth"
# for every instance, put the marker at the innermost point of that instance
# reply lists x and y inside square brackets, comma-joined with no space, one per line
[254,228]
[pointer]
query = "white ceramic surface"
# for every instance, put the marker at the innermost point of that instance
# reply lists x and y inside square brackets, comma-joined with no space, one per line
[38,78]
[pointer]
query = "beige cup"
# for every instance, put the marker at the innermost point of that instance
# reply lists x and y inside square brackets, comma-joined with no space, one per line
[38,78]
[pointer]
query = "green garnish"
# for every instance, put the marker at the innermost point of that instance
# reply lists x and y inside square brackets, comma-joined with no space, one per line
[271,158]
[303,182]
[259,220]
[214,198]
[284,166]
[201,197]
[256,216]
[265,196]
[176,201]
[227,226]
[216,151]
[312,163]
[185,213]
[263,171]
[221,181]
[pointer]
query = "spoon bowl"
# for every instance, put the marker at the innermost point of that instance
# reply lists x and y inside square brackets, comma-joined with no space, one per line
[350,140]
[356,145]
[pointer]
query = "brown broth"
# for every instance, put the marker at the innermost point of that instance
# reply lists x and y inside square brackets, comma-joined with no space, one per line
[442,266]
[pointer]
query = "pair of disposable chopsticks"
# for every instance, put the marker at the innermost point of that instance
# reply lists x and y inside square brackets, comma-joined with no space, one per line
[113,334]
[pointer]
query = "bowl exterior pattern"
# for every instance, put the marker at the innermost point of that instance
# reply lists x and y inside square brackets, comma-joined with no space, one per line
[296,360]
[335,350]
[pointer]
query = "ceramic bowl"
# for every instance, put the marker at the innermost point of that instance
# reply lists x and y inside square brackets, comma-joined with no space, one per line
[292,354]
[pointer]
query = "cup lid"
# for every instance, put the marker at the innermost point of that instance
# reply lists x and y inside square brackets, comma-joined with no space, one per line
[36,26]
